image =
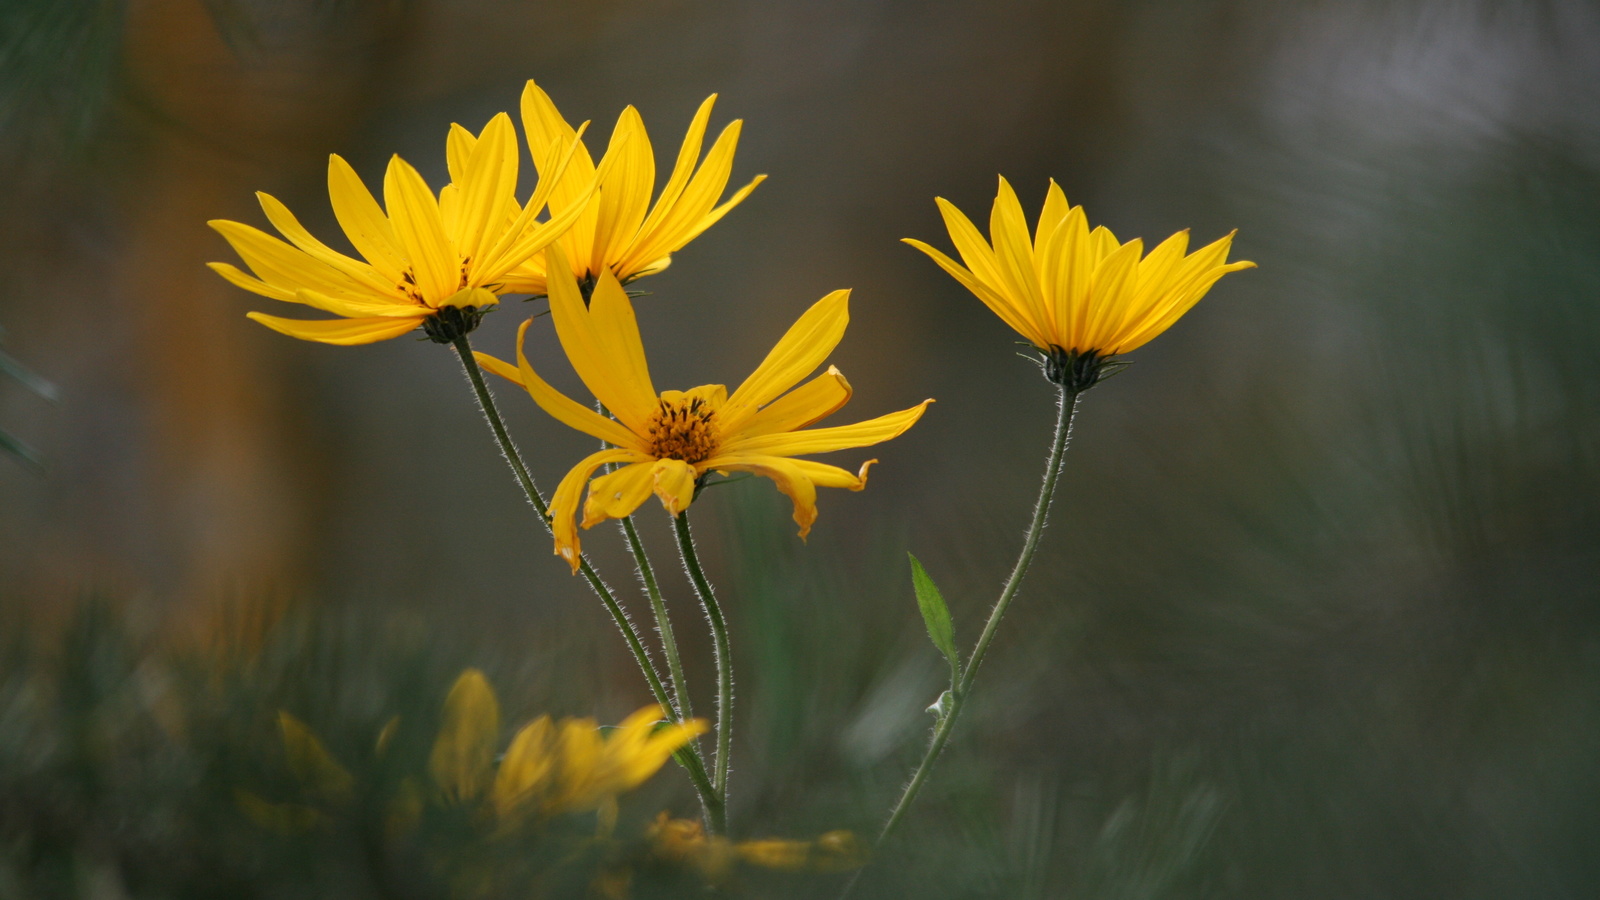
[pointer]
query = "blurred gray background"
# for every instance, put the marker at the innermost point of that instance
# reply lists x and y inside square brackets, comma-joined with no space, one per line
[1316,614]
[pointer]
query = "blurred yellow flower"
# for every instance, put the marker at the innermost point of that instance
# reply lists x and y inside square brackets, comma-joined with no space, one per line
[666,443]
[685,843]
[570,766]
[551,767]
[436,262]
[1077,295]
[614,232]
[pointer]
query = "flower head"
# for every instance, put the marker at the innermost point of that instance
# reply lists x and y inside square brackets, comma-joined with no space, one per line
[435,262]
[1078,295]
[665,443]
[618,230]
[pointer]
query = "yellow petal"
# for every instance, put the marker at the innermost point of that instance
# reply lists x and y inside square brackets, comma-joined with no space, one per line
[674,484]
[805,405]
[563,408]
[1110,291]
[290,268]
[457,150]
[688,156]
[363,220]
[564,502]
[998,304]
[488,187]
[528,766]
[1013,251]
[602,342]
[825,440]
[618,494]
[682,221]
[311,762]
[625,192]
[526,235]
[342,332]
[417,222]
[789,478]
[252,284]
[464,750]
[797,354]
[357,309]
[290,227]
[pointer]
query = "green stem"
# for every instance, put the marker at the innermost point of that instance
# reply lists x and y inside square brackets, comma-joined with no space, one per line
[719,632]
[669,644]
[691,760]
[1067,406]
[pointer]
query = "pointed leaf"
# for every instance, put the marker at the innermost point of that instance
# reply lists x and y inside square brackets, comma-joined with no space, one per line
[935,614]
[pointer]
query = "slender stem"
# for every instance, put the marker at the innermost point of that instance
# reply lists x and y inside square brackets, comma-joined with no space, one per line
[669,644]
[1067,406]
[719,632]
[691,760]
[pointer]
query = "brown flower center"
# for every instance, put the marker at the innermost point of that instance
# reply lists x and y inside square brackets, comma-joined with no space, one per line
[683,429]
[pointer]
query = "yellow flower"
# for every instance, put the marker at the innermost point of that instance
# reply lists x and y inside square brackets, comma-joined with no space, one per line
[1078,295]
[666,443]
[614,231]
[436,262]
[550,767]
[684,842]
[570,766]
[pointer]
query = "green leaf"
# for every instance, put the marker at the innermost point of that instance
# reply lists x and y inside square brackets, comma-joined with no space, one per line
[935,614]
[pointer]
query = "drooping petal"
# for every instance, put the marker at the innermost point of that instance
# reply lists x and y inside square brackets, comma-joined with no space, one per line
[618,494]
[563,408]
[564,502]
[797,354]
[674,484]
[417,223]
[789,478]
[602,342]
[824,440]
[807,404]
[342,332]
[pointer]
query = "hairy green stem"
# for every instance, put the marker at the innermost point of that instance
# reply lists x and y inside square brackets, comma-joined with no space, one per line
[669,644]
[1067,405]
[719,634]
[690,759]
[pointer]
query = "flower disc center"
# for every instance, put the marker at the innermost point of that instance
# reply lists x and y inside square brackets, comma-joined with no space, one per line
[682,429]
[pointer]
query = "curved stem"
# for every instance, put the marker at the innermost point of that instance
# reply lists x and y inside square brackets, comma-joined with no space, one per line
[1067,406]
[690,760]
[719,632]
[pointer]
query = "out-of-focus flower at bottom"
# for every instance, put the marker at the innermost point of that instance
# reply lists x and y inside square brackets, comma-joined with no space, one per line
[551,768]
[684,842]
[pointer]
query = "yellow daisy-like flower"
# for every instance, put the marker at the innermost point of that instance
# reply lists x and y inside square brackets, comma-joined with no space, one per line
[1076,294]
[666,442]
[614,231]
[436,262]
